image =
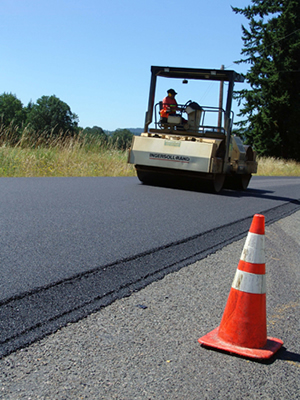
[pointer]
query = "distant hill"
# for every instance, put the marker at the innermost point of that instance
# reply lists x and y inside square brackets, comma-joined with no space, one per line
[135,131]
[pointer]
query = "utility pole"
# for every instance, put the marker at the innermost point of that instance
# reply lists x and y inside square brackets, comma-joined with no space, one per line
[221,101]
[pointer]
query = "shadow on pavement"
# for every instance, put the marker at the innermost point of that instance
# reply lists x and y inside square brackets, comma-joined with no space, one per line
[263,194]
[286,355]
[191,186]
[282,354]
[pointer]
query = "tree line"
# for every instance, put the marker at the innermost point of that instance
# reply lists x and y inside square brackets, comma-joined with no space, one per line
[52,117]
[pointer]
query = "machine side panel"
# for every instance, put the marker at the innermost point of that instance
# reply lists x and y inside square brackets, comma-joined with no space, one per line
[175,154]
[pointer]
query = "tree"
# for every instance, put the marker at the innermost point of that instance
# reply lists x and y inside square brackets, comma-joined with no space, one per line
[51,115]
[11,110]
[272,49]
[122,138]
[96,132]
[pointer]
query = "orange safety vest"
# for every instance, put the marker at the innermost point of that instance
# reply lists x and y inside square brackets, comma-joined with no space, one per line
[169,107]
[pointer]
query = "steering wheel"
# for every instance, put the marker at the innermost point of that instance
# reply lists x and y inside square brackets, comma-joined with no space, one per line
[186,104]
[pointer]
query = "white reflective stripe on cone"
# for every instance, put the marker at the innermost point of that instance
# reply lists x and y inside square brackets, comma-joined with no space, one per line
[254,249]
[249,283]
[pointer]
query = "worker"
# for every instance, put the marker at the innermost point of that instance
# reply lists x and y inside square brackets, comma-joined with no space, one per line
[169,107]
[169,104]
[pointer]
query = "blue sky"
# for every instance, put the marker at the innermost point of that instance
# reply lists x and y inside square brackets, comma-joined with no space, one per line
[96,55]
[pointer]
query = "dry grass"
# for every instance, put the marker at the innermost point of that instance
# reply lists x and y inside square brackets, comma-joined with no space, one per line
[276,167]
[19,162]
[28,155]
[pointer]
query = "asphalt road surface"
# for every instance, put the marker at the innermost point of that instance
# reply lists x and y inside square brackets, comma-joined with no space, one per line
[70,246]
[145,346]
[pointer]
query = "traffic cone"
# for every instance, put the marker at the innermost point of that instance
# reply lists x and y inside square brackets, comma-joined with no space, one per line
[243,327]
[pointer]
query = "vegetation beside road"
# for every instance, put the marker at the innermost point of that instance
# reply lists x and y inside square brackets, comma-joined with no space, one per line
[88,155]
[271,52]
[270,166]
[80,155]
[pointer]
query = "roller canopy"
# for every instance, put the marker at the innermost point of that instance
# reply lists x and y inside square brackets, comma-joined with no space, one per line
[196,73]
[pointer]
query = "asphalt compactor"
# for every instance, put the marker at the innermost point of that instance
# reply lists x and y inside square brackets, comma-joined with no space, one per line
[185,148]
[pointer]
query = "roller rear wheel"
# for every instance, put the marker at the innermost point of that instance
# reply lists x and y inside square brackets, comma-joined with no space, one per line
[244,181]
[217,183]
[238,182]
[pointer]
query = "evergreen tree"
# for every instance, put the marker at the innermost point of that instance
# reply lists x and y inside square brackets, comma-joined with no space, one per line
[271,106]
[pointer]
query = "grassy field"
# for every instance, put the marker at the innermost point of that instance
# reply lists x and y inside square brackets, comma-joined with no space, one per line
[66,161]
[29,156]
[88,157]
[275,167]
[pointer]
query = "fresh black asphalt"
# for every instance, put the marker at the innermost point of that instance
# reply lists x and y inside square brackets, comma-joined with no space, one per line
[70,246]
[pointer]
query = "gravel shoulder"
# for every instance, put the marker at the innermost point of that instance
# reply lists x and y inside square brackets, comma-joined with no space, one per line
[146,346]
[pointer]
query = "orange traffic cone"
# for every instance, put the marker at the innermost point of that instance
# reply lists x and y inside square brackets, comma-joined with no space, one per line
[243,328]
